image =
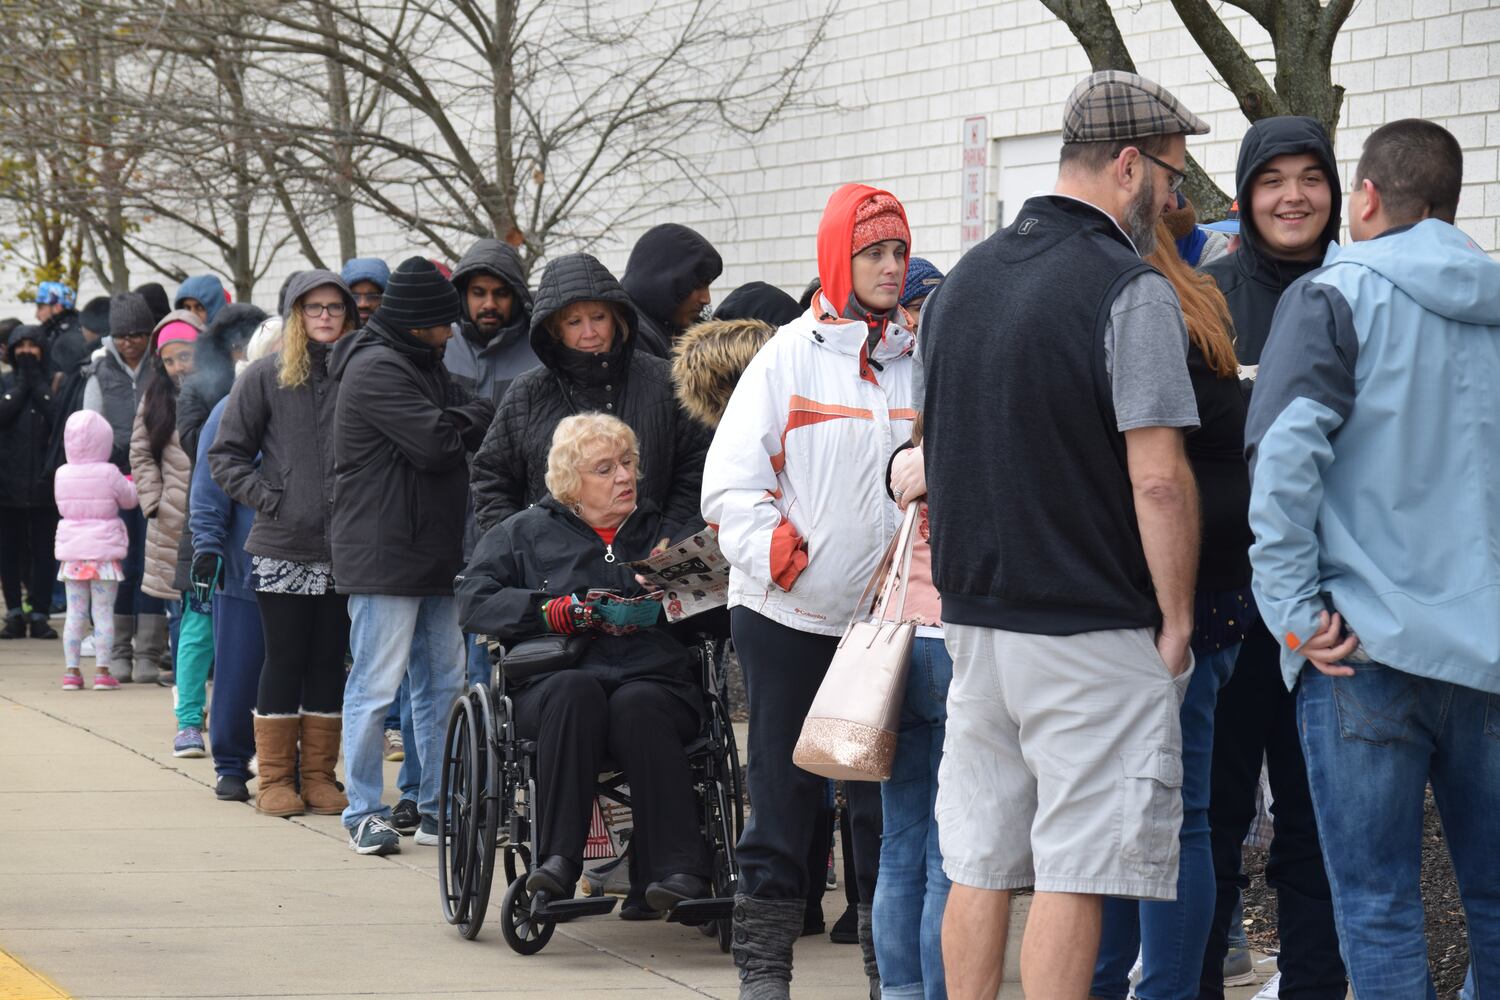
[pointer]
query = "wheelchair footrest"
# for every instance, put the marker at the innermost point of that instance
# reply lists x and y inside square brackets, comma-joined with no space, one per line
[562,910]
[696,912]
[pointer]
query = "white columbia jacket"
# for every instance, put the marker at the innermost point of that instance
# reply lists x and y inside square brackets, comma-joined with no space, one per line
[795,476]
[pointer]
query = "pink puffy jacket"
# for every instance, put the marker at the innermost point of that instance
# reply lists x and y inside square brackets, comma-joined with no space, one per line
[90,492]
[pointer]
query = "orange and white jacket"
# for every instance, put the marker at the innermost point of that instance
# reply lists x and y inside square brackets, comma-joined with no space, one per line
[794,477]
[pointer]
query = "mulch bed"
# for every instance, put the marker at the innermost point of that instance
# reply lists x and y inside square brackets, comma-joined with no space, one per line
[1447,939]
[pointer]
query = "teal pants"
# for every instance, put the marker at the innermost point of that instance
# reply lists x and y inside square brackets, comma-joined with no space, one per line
[193,659]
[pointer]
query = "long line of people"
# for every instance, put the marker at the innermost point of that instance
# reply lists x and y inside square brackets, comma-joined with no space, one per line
[1115,628]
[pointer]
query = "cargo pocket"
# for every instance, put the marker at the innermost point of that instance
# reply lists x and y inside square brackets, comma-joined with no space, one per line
[1150,804]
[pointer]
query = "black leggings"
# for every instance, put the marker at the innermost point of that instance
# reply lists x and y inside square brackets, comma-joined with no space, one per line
[306,638]
[26,539]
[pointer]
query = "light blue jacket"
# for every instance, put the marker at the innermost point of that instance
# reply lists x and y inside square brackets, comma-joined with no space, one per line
[1374,443]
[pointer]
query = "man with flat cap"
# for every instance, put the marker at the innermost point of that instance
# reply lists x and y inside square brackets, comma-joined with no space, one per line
[1065,545]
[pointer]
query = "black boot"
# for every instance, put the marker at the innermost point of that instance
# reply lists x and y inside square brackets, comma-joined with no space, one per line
[40,627]
[764,932]
[15,625]
[556,876]
[867,945]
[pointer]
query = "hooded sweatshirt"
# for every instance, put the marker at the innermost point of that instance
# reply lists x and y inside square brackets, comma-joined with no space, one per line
[1251,279]
[114,389]
[1371,438]
[28,411]
[666,264]
[486,367]
[90,492]
[795,476]
[207,289]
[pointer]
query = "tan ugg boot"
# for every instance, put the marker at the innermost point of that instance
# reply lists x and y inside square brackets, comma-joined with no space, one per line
[320,751]
[276,746]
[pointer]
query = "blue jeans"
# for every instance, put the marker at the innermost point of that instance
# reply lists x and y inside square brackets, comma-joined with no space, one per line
[479,661]
[1373,741]
[1170,936]
[409,780]
[239,652]
[912,890]
[391,637]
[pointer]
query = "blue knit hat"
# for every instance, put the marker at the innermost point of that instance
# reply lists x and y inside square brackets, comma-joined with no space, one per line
[366,269]
[922,279]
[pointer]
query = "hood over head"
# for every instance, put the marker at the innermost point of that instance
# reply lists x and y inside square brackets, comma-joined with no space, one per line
[758,300]
[708,360]
[499,259]
[1437,265]
[206,288]
[26,331]
[87,437]
[1266,140]
[577,277]
[156,299]
[371,269]
[836,240]
[302,282]
[665,265]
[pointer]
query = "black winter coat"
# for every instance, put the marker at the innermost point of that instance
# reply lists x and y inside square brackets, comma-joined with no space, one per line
[548,551]
[510,469]
[403,431]
[27,414]
[665,265]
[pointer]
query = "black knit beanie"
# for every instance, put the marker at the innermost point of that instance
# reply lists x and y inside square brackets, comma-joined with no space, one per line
[418,296]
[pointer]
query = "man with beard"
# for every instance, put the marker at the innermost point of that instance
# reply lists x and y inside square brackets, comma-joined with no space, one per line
[667,277]
[1055,428]
[366,278]
[494,325]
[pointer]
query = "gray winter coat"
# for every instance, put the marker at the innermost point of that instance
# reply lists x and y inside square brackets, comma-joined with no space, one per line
[290,432]
[486,370]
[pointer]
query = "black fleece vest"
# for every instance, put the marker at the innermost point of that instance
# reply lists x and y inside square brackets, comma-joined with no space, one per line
[1033,519]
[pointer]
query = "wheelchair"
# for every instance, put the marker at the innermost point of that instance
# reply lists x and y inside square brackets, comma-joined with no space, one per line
[487,799]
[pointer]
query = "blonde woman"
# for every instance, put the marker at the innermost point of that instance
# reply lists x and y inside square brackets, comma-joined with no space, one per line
[274,454]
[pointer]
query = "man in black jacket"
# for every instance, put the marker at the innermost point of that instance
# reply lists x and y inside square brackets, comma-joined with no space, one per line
[402,435]
[1288,193]
[667,277]
[28,512]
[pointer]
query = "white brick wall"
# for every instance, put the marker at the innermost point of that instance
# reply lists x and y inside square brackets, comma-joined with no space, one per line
[906,73]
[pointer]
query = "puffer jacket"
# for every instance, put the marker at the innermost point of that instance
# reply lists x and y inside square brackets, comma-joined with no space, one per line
[708,361]
[795,478]
[486,369]
[665,265]
[90,493]
[114,390]
[162,485]
[28,412]
[510,469]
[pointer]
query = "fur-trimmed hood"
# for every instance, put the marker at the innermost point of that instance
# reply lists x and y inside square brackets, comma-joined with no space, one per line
[707,362]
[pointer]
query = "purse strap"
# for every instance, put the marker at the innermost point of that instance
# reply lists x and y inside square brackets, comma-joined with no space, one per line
[904,544]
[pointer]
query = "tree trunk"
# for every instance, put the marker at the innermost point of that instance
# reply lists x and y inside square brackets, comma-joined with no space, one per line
[343,146]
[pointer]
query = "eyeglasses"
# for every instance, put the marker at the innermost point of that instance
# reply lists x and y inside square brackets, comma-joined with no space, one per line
[312,310]
[1177,175]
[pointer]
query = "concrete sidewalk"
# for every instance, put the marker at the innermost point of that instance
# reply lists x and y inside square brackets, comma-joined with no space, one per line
[121,876]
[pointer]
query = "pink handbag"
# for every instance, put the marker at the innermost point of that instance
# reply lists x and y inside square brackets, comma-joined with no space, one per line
[850,731]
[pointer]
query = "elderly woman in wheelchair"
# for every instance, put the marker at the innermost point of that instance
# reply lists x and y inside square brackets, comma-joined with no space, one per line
[592,673]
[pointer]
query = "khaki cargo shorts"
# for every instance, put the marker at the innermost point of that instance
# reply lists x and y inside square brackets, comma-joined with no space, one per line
[1062,766]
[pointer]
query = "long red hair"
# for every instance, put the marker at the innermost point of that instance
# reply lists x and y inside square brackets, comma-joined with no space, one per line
[1209,324]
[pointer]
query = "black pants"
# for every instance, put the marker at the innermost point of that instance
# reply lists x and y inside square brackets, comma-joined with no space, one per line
[1257,716]
[783,668]
[26,540]
[579,722]
[306,639]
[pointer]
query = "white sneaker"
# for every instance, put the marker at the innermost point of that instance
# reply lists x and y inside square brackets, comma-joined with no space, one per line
[1270,991]
[87,649]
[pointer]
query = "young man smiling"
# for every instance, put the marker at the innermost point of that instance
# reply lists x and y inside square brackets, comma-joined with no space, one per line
[1289,214]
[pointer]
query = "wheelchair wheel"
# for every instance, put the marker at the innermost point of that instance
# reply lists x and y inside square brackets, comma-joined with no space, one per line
[517,862]
[486,817]
[524,934]
[458,790]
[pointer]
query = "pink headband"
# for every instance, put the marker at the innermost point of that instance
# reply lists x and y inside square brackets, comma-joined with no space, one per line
[177,330]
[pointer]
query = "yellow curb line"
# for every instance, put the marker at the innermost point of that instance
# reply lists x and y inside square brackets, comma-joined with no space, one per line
[17,982]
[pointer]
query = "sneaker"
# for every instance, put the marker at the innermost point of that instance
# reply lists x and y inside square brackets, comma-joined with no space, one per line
[72,681]
[230,788]
[87,649]
[395,746]
[374,835]
[189,742]
[831,879]
[106,682]
[404,819]
[1239,970]
[1270,991]
[427,832]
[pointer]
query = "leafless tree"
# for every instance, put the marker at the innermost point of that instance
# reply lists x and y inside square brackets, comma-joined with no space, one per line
[1302,34]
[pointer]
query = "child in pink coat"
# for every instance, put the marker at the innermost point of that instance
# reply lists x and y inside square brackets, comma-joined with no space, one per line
[91,541]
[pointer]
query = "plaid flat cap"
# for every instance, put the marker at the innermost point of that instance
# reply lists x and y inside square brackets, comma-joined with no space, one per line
[1113,106]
